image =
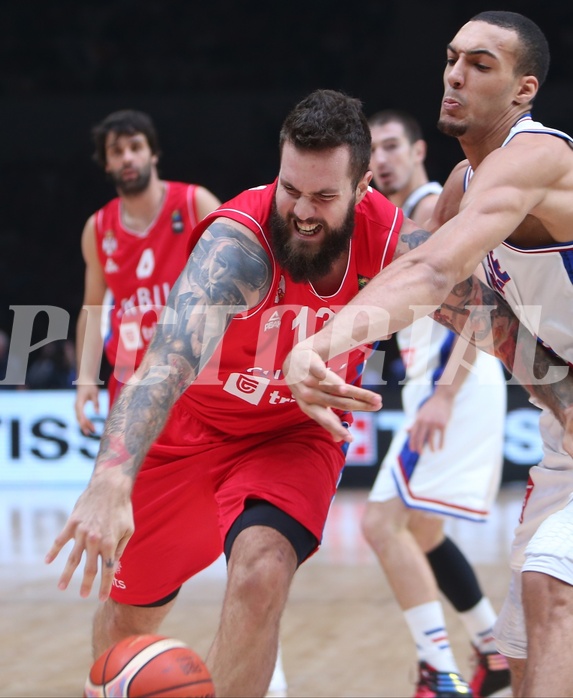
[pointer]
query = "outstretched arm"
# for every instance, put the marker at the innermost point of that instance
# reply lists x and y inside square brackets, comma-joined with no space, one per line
[471,309]
[228,272]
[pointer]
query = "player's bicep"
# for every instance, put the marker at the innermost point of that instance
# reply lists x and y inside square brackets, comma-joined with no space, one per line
[228,266]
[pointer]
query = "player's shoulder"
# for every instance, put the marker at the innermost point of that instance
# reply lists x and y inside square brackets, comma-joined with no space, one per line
[177,188]
[376,214]
[375,205]
[255,201]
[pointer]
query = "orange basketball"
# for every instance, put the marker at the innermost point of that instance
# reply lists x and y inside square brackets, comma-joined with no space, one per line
[149,665]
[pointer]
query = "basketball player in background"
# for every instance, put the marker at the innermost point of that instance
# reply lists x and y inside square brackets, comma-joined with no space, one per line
[134,248]
[443,461]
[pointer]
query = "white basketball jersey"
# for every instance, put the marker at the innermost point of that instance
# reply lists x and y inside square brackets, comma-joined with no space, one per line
[537,282]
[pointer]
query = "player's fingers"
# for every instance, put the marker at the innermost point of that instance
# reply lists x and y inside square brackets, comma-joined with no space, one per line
[87,426]
[329,421]
[349,404]
[353,392]
[97,547]
[431,439]
[90,572]
[66,534]
[417,437]
[337,430]
[340,397]
[110,554]
[74,559]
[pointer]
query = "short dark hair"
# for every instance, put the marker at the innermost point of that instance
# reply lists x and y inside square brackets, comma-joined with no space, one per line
[327,119]
[125,123]
[412,127]
[534,56]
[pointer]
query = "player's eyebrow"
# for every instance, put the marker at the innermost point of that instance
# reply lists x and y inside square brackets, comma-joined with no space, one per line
[322,192]
[473,52]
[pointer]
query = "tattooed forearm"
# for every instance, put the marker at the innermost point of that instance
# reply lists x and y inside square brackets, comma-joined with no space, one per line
[227,273]
[484,318]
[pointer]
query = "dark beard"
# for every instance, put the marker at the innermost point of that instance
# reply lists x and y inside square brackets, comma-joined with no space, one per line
[133,186]
[450,129]
[297,259]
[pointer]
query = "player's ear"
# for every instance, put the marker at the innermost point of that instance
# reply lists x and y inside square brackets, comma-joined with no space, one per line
[527,90]
[362,186]
[420,148]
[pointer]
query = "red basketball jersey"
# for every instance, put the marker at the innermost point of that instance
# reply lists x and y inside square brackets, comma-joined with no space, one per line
[140,269]
[241,388]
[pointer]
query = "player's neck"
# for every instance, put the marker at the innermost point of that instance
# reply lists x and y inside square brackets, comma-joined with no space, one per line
[418,179]
[329,284]
[478,144]
[139,211]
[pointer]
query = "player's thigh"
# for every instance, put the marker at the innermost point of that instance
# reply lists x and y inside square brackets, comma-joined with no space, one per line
[296,469]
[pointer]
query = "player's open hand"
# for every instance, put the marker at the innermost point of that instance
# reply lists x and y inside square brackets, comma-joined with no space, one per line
[100,526]
[318,391]
[429,428]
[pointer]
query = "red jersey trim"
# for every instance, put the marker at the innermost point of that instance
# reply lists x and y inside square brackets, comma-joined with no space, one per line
[392,241]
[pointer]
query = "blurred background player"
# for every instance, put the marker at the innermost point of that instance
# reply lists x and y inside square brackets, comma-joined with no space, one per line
[134,249]
[441,462]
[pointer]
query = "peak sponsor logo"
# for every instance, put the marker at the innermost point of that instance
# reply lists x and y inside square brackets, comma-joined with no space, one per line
[274,322]
[246,387]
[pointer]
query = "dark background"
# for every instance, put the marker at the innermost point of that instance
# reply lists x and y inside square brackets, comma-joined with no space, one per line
[218,77]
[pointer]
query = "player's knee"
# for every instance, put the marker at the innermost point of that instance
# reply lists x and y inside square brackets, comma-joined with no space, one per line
[377,528]
[260,577]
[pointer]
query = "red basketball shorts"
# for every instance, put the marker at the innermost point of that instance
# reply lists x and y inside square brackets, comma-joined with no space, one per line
[193,485]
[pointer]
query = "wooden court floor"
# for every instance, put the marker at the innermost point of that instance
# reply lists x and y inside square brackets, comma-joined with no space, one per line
[342,633]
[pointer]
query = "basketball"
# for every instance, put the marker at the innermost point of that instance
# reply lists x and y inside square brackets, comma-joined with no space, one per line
[149,665]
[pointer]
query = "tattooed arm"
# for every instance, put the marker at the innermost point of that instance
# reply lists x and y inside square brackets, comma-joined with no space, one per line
[227,273]
[479,315]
